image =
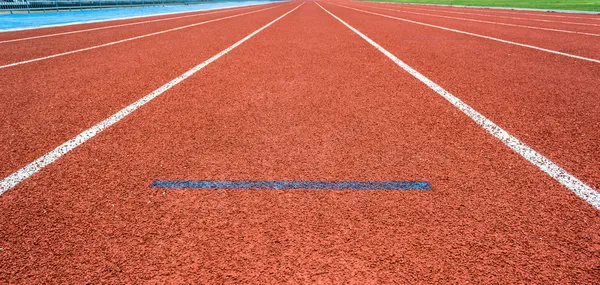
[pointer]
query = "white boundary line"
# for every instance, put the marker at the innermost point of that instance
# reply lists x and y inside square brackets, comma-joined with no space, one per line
[129,18]
[120,25]
[50,157]
[507,17]
[475,35]
[571,182]
[482,21]
[130,39]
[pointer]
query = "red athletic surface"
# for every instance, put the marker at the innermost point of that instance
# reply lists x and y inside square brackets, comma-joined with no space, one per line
[305,99]
[582,45]
[81,89]
[549,101]
[588,18]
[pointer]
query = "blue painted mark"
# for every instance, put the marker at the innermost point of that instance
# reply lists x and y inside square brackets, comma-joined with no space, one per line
[36,20]
[265,184]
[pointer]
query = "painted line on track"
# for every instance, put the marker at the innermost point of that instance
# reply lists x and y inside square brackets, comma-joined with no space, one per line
[273,184]
[131,39]
[27,171]
[122,25]
[501,10]
[474,34]
[507,10]
[569,181]
[540,11]
[507,17]
[119,19]
[486,22]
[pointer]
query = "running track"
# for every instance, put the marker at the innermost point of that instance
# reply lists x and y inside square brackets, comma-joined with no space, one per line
[305,97]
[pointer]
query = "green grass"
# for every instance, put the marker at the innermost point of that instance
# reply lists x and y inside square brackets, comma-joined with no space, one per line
[581,5]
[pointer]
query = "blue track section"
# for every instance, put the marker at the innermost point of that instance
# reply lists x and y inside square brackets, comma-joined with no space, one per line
[266,184]
[43,19]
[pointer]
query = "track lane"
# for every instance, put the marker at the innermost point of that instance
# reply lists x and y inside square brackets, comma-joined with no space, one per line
[468,19]
[579,188]
[41,31]
[582,27]
[575,44]
[490,12]
[546,101]
[486,37]
[117,25]
[305,98]
[18,53]
[49,102]
[109,25]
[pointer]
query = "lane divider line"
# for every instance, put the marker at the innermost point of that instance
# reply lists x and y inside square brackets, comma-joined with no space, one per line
[502,10]
[486,22]
[133,38]
[120,25]
[507,17]
[83,22]
[548,13]
[559,174]
[50,157]
[275,184]
[475,35]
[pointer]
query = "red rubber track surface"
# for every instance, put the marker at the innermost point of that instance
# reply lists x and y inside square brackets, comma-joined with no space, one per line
[307,99]
[534,15]
[25,50]
[548,101]
[51,101]
[11,35]
[576,44]
[568,25]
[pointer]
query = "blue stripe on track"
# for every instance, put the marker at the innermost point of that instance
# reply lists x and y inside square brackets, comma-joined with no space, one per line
[265,184]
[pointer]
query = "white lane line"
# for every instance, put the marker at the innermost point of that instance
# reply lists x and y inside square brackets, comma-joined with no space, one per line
[121,19]
[571,182]
[549,13]
[48,158]
[507,17]
[475,35]
[497,10]
[130,39]
[486,22]
[120,25]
